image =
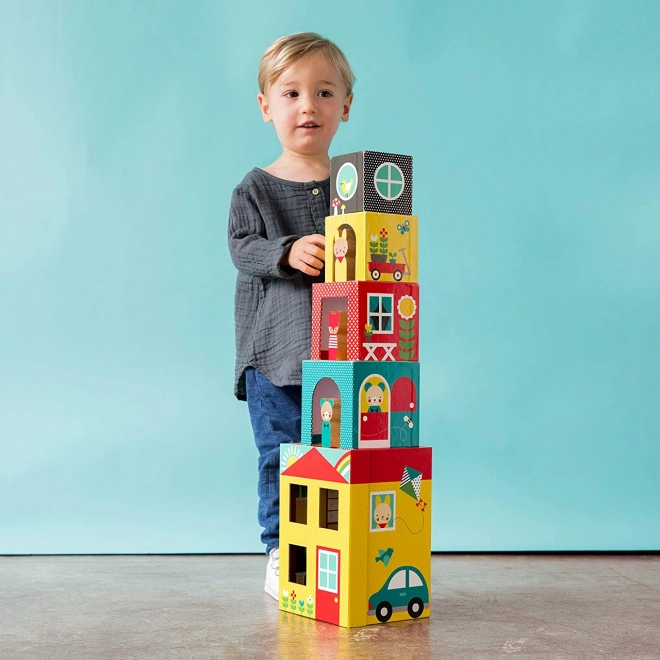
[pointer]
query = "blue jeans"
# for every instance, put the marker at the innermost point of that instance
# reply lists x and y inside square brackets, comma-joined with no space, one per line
[275,417]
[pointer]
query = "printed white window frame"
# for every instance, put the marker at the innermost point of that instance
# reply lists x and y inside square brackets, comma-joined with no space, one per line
[380,314]
[391,525]
[327,572]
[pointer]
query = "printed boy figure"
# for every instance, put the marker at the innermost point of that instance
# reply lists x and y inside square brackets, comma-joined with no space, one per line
[276,241]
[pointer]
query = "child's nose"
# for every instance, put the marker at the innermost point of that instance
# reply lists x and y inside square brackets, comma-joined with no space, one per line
[309,103]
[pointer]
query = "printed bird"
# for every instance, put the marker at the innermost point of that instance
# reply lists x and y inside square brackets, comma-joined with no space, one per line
[385,556]
[346,186]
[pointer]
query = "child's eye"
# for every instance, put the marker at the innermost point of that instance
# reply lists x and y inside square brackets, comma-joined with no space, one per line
[291,95]
[325,93]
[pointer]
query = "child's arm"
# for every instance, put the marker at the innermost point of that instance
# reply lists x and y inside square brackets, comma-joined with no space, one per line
[256,255]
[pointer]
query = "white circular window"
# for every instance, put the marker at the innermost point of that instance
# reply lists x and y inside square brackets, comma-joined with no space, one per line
[347,181]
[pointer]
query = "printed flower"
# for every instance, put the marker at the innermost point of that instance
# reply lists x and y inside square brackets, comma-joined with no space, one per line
[373,238]
[383,232]
[293,595]
[310,600]
[285,593]
[302,604]
[406,307]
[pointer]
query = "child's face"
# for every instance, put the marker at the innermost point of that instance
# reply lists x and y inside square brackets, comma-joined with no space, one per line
[306,104]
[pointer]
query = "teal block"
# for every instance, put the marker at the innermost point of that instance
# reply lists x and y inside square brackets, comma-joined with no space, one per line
[378,403]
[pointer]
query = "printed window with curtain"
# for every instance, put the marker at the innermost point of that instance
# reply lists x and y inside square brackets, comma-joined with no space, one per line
[380,312]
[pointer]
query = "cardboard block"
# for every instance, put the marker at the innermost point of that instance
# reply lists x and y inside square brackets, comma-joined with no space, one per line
[378,321]
[371,181]
[378,403]
[362,553]
[371,246]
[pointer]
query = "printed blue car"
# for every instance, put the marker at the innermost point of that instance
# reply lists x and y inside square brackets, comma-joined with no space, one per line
[405,589]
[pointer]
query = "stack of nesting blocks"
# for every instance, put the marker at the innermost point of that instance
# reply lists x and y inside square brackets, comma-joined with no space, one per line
[355,494]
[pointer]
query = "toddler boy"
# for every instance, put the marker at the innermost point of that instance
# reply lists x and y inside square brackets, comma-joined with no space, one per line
[276,241]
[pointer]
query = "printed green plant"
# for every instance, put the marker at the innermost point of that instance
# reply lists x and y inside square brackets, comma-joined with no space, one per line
[285,599]
[373,244]
[406,339]
[310,606]
[392,257]
[292,603]
[383,241]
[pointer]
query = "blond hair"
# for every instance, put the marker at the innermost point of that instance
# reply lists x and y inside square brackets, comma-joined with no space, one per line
[291,49]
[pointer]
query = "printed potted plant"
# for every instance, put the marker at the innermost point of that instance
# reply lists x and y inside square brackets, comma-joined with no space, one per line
[368,331]
[392,257]
[378,247]
[373,246]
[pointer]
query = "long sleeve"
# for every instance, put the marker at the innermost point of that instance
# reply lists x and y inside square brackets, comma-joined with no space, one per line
[272,305]
[252,252]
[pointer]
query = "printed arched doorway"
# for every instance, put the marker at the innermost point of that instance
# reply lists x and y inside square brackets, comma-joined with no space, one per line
[326,413]
[350,255]
[404,412]
[374,415]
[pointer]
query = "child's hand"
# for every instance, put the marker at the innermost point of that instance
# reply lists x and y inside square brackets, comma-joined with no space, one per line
[307,254]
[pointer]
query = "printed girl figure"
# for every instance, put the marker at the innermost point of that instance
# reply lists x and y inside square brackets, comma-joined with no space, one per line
[326,415]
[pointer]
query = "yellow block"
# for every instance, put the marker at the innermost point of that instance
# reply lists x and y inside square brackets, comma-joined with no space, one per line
[371,246]
[353,535]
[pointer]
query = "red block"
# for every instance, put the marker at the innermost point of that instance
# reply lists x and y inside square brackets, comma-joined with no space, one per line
[381,321]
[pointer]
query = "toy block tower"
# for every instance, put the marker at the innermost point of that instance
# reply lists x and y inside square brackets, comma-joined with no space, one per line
[355,494]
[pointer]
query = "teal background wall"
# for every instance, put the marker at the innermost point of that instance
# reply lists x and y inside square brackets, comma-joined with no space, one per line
[535,129]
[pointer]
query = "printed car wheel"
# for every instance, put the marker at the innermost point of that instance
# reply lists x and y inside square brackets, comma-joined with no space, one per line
[375,273]
[415,607]
[398,275]
[384,611]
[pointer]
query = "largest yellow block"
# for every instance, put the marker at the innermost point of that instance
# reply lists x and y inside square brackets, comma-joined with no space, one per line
[371,246]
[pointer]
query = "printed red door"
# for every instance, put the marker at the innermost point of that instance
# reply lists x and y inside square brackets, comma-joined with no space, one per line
[327,585]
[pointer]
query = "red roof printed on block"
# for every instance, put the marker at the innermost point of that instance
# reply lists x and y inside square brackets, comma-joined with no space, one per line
[313,466]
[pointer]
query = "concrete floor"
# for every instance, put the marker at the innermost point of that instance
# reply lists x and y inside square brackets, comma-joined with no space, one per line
[213,607]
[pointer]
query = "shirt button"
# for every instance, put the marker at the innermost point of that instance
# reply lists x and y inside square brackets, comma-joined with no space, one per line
[315,191]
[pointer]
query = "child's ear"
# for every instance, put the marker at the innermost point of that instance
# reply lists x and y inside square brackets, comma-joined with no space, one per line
[347,107]
[264,106]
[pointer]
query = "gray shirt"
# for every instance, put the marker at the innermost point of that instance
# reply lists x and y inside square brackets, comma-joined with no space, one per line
[273,303]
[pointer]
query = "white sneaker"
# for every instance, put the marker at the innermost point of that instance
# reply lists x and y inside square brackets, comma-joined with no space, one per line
[272,585]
